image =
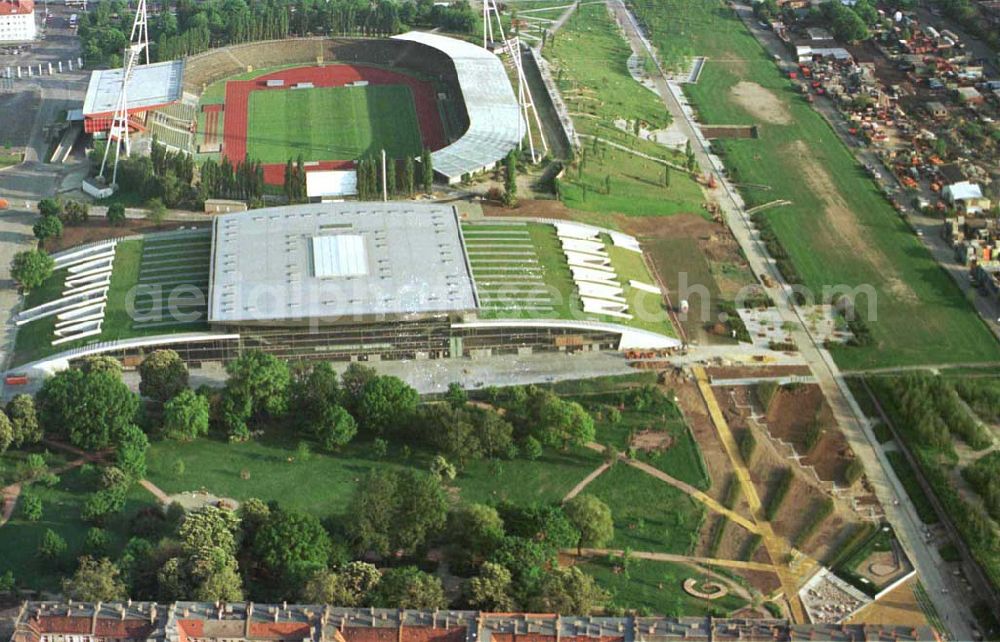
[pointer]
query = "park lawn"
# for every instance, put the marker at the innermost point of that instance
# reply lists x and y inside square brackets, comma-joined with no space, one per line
[8,159]
[649,514]
[520,481]
[332,122]
[682,459]
[849,237]
[61,506]
[322,485]
[637,187]
[648,309]
[273,473]
[589,59]
[12,457]
[657,588]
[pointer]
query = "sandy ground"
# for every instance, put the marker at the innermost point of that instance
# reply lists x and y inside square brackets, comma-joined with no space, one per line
[897,608]
[760,103]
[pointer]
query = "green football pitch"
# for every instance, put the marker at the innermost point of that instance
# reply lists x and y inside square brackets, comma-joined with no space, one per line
[332,123]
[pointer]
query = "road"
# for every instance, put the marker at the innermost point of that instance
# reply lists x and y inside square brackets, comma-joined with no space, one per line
[849,415]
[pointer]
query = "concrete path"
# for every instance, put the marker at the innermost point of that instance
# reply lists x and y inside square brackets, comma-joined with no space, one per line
[576,490]
[670,557]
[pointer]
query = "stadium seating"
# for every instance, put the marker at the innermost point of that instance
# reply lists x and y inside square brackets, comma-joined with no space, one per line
[175,139]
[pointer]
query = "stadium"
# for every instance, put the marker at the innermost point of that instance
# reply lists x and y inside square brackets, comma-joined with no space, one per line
[330,101]
[347,282]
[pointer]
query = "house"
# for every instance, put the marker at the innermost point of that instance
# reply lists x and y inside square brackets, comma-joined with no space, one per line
[937,110]
[967,196]
[17,20]
[970,96]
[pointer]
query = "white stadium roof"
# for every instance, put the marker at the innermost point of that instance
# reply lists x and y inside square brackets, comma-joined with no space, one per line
[331,262]
[150,85]
[495,123]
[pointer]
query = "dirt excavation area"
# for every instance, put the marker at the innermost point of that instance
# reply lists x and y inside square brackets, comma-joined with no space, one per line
[760,103]
[807,479]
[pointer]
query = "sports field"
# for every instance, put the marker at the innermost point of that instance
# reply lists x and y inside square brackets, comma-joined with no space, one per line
[332,122]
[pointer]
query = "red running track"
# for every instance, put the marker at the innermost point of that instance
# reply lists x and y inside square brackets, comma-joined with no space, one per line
[238,98]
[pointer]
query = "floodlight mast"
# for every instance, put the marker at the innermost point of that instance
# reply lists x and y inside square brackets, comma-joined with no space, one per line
[138,47]
[524,98]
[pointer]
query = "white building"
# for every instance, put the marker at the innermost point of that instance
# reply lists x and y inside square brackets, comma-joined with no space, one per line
[17,20]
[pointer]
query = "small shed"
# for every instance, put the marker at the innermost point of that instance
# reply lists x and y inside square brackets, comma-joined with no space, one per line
[970,96]
[937,110]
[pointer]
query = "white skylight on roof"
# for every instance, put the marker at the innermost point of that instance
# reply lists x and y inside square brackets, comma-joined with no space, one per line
[339,255]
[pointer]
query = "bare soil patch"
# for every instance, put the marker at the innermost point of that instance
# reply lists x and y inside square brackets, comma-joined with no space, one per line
[842,223]
[652,440]
[97,229]
[760,103]
[790,417]
[898,608]
[739,372]
[530,207]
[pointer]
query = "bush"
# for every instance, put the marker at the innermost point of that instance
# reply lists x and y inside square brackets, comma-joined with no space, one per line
[31,506]
[814,432]
[748,444]
[853,472]
[764,392]
[753,543]
[52,546]
[777,497]
[816,519]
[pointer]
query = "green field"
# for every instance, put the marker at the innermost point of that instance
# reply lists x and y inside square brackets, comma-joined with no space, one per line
[658,588]
[589,59]
[521,272]
[332,122]
[839,229]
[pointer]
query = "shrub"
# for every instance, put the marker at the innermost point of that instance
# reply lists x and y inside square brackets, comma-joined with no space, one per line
[31,506]
[748,444]
[816,518]
[853,472]
[764,392]
[777,498]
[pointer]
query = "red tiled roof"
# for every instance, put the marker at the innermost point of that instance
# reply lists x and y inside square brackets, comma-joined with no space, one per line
[366,634]
[429,634]
[66,625]
[522,637]
[190,628]
[127,628]
[279,630]
[16,7]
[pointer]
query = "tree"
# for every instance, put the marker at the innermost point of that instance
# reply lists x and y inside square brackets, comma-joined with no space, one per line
[52,546]
[75,213]
[568,591]
[427,170]
[116,214]
[185,417]
[31,506]
[50,207]
[510,174]
[206,568]
[408,587]
[491,589]
[592,518]
[409,176]
[334,428]
[350,586]
[102,363]
[92,408]
[353,383]
[30,268]
[562,423]
[456,395]
[97,541]
[386,401]
[6,433]
[257,387]
[47,227]
[24,420]
[156,211]
[390,176]
[162,375]
[289,548]
[95,581]
[666,176]
[130,453]
[396,511]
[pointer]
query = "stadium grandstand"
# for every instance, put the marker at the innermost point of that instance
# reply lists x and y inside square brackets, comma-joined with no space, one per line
[151,87]
[495,123]
[349,281]
[209,104]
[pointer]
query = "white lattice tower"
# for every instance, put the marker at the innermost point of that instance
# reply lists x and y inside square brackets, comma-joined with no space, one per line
[513,47]
[119,132]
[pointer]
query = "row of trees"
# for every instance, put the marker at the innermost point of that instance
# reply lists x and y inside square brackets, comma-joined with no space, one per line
[402,177]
